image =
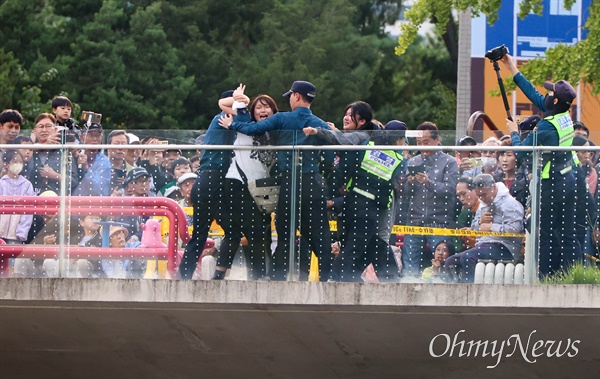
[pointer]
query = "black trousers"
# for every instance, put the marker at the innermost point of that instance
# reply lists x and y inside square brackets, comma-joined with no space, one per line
[207,199]
[302,206]
[242,216]
[559,247]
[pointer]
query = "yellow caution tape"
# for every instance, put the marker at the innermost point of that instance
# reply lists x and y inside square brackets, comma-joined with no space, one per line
[424,230]
[428,231]
[217,231]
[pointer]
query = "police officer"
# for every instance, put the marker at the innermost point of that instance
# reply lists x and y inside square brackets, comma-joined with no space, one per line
[370,176]
[302,202]
[559,247]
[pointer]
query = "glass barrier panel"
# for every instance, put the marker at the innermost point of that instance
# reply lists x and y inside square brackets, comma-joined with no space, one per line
[377,206]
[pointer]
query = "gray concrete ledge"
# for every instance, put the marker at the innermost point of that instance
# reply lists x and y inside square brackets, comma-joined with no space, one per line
[301,293]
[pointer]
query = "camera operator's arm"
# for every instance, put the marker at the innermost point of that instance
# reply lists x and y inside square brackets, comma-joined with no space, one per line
[510,65]
[525,85]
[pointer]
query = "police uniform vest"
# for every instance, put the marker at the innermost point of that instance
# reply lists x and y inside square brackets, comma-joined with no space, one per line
[559,161]
[373,179]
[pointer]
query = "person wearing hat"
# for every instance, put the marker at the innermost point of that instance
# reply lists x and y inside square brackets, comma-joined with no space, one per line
[559,247]
[132,156]
[94,166]
[178,167]
[185,184]
[463,157]
[121,268]
[498,212]
[139,179]
[207,192]
[307,202]
[137,182]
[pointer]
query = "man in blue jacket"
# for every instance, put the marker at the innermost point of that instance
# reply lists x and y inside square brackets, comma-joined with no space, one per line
[559,247]
[302,202]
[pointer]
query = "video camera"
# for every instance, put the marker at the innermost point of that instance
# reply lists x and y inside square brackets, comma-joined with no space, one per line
[496,53]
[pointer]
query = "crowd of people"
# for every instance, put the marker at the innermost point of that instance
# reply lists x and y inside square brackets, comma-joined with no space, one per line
[366,191]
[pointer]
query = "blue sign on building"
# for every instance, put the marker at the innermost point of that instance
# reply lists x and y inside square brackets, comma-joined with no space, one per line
[530,37]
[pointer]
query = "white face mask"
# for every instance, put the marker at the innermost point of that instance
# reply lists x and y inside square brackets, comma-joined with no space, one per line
[15,168]
[489,163]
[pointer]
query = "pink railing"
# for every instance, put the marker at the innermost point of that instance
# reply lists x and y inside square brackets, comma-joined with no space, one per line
[99,206]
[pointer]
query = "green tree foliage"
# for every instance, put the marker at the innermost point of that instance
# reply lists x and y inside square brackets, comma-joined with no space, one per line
[158,64]
[566,62]
[10,70]
[417,86]
[326,49]
[124,63]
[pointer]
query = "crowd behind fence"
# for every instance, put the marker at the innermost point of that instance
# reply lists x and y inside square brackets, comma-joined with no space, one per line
[446,200]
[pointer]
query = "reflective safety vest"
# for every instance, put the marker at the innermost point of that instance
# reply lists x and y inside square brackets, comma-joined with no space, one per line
[564,127]
[373,179]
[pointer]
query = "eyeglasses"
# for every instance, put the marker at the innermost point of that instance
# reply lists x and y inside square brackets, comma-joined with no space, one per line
[45,126]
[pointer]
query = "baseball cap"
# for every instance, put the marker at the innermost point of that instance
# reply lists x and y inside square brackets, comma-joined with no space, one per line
[395,125]
[94,126]
[562,91]
[397,128]
[134,173]
[529,123]
[186,176]
[133,139]
[303,88]
[48,193]
[226,94]
[171,190]
[467,141]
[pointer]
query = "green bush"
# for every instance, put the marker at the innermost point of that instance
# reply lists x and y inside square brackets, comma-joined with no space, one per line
[576,274]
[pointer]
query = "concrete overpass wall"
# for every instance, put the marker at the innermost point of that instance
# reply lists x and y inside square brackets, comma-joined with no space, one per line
[78,328]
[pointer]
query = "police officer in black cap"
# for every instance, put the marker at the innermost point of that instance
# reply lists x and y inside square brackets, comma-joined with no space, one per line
[302,201]
[559,247]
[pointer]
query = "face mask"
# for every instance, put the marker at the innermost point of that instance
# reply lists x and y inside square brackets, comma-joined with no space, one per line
[489,163]
[16,168]
[549,102]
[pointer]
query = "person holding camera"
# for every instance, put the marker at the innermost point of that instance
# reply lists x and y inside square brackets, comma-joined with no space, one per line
[94,167]
[559,247]
[430,186]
